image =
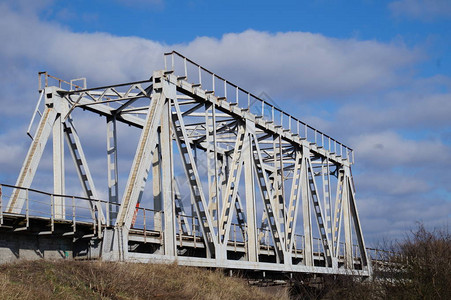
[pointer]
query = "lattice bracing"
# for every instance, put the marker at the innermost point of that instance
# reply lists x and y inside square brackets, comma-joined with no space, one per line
[219,178]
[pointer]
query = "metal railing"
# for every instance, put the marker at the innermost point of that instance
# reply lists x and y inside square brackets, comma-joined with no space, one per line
[74,209]
[194,73]
[78,210]
[45,80]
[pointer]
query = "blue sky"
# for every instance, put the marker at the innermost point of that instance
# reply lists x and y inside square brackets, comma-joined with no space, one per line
[374,74]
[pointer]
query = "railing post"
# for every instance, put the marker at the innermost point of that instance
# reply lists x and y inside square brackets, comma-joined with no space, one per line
[295,247]
[186,69]
[194,231]
[225,89]
[303,245]
[107,209]
[52,213]
[248,100]
[27,215]
[234,237]
[99,225]
[73,214]
[172,61]
[144,224]
[180,229]
[94,226]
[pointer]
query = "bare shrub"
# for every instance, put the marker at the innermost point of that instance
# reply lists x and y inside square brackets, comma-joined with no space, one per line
[425,259]
[418,267]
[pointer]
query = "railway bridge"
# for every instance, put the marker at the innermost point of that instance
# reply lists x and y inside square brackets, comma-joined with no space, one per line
[220,178]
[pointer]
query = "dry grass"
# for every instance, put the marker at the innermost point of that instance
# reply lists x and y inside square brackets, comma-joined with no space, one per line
[99,280]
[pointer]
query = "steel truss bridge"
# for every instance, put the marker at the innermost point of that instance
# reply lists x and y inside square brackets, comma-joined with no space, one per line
[260,189]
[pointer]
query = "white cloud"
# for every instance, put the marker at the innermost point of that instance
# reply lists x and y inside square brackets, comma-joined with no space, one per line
[310,65]
[408,110]
[393,216]
[389,149]
[389,183]
[304,64]
[427,10]
[294,65]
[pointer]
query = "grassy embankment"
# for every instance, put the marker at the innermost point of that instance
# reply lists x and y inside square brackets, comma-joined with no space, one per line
[97,280]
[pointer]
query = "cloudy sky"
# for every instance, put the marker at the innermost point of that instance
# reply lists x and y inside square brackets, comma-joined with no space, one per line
[373,74]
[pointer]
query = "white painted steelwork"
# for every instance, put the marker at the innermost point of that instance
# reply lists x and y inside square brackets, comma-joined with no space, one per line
[245,162]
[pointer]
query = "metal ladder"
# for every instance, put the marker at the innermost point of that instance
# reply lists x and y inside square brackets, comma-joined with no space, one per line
[82,169]
[232,184]
[271,217]
[194,183]
[318,212]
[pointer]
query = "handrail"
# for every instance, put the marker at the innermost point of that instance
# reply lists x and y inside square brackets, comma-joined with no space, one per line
[327,142]
[372,252]
[60,81]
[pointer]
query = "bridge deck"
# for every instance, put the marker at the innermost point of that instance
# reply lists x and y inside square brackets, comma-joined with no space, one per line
[149,241]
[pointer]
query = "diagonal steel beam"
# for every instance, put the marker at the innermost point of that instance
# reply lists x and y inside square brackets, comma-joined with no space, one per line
[143,157]
[231,191]
[319,215]
[268,201]
[32,160]
[338,213]
[294,201]
[81,166]
[357,227]
[183,143]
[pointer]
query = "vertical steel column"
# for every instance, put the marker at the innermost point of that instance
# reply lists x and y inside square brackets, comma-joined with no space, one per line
[251,207]
[58,167]
[306,213]
[347,224]
[167,190]
[113,189]
[157,191]
[325,174]
[212,168]
[279,185]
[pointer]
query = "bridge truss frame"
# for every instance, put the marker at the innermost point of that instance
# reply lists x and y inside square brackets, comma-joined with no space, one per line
[259,166]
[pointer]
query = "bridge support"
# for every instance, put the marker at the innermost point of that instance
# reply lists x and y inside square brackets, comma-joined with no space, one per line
[221,161]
